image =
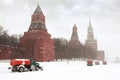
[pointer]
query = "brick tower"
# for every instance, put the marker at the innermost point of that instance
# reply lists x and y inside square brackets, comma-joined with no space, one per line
[90,41]
[37,42]
[74,37]
[74,47]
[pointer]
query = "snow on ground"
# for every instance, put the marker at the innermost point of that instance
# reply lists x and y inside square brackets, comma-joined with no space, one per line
[72,70]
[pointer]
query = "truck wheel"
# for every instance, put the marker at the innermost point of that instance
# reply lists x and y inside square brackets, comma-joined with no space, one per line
[37,69]
[33,67]
[13,70]
[41,68]
[21,69]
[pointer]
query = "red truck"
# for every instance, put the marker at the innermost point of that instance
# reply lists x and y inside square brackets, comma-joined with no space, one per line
[22,65]
[89,62]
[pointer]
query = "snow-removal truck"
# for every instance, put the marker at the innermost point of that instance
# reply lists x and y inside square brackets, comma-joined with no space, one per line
[22,65]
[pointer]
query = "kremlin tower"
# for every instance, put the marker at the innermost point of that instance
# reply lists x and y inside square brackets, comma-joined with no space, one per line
[92,43]
[74,37]
[37,42]
[75,47]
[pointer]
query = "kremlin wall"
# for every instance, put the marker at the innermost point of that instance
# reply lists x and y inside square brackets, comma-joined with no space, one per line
[37,43]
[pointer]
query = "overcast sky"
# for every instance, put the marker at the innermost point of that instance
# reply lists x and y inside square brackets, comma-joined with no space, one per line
[61,15]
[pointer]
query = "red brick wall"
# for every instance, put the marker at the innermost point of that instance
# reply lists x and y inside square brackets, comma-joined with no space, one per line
[41,48]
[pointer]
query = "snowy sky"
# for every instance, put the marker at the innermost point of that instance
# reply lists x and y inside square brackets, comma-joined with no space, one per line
[61,15]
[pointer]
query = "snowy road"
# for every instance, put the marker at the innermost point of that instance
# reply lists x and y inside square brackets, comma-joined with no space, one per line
[75,70]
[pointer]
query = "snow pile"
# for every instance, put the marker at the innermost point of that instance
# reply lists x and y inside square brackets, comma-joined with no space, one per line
[72,70]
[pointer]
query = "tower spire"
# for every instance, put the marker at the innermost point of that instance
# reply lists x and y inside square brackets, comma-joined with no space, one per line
[38,9]
[90,34]
[74,41]
[74,33]
[37,20]
[90,41]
